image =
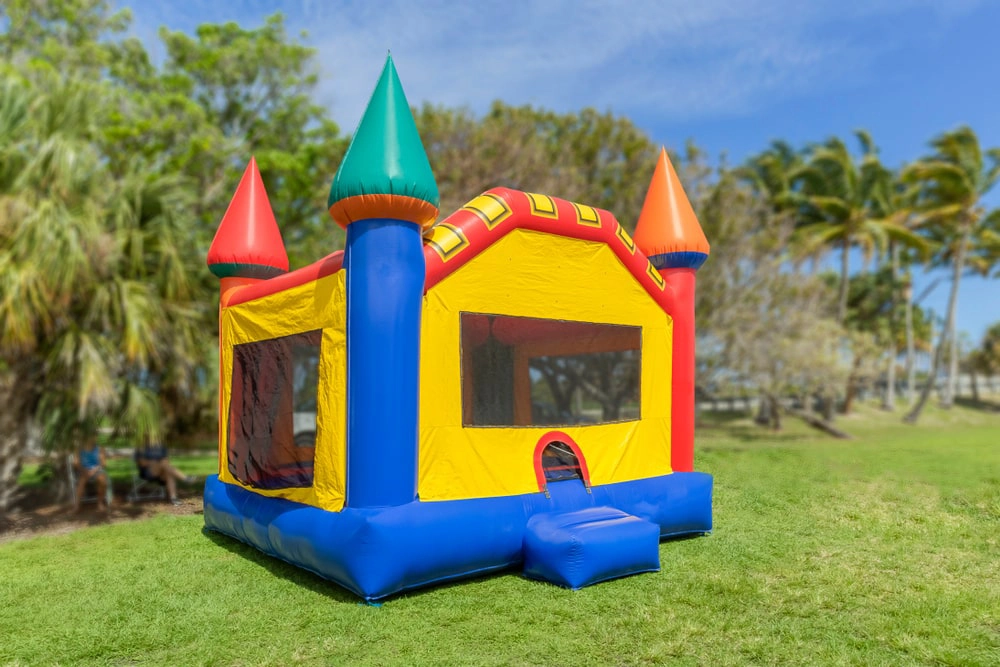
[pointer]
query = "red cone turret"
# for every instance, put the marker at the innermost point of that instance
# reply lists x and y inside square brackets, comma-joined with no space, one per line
[248,243]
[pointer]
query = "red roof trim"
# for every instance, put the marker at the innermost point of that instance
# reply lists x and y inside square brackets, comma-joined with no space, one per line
[324,267]
[464,234]
[516,210]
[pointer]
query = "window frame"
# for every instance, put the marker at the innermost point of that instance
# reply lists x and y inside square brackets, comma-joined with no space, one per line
[466,390]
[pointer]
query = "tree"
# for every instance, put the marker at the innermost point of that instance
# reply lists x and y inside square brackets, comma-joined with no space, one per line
[95,301]
[837,195]
[985,360]
[873,309]
[759,325]
[222,95]
[250,92]
[594,158]
[771,174]
[892,201]
[60,36]
[114,173]
[610,378]
[951,183]
[775,176]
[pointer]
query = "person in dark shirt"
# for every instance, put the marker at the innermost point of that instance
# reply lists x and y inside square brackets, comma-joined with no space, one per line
[90,467]
[154,465]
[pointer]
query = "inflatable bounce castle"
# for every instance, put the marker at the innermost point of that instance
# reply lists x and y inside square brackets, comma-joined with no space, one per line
[513,385]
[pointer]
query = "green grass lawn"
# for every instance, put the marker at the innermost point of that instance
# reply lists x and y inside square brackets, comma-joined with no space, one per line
[883,550]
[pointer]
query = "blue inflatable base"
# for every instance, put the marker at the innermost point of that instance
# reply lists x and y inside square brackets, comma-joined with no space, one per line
[377,552]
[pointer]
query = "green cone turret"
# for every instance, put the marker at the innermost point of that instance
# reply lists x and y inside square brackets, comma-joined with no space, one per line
[385,173]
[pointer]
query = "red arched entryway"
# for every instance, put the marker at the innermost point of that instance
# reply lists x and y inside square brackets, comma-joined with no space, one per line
[556,438]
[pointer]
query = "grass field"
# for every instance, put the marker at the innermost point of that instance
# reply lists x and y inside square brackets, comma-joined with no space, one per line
[884,550]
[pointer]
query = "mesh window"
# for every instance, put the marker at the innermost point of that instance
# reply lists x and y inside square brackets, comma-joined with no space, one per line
[272,413]
[525,371]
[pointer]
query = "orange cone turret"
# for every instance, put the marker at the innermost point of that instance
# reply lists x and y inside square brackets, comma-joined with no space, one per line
[668,231]
[670,236]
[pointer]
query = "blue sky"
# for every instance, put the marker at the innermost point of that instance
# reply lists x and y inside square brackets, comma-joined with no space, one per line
[730,74]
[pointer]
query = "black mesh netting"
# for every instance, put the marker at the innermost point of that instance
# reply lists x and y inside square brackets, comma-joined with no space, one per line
[272,411]
[524,371]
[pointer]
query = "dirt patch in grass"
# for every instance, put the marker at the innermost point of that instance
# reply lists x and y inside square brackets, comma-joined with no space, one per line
[36,514]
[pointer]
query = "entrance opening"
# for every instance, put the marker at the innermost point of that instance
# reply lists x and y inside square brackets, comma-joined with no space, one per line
[558,458]
[560,463]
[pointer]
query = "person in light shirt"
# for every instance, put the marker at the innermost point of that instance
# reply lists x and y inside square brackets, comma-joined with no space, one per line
[90,466]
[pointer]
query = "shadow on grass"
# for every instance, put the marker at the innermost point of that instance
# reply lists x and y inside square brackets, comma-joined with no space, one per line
[739,425]
[333,590]
[751,434]
[719,418]
[283,569]
[25,525]
[337,593]
[986,406]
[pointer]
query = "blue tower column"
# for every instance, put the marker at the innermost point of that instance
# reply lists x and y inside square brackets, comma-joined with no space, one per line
[384,265]
[384,194]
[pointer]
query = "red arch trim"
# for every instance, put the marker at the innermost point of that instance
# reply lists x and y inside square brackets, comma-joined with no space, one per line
[548,439]
[472,234]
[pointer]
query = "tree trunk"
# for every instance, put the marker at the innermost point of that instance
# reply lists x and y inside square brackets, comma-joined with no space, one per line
[852,387]
[771,415]
[763,410]
[975,385]
[11,453]
[959,266]
[951,382]
[844,278]
[889,397]
[911,366]
[827,405]
[845,409]
[13,438]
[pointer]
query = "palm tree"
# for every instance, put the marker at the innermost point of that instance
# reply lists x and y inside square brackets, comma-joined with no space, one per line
[15,102]
[838,197]
[771,174]
[911,366]
[984,253]
[95,306]
[986,358]
[892,201]
[839,207]
[952,182]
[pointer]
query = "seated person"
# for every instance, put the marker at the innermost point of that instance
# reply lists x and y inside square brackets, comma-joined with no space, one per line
[154,466]
[90,467]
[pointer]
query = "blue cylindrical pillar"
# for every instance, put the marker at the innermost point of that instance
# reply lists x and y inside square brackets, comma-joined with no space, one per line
[384,265]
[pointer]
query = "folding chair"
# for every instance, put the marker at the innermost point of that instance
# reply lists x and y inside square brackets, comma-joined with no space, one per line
[145,488]
[90,490]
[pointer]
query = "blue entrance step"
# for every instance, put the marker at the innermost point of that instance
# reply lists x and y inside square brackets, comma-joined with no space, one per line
[584,547]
